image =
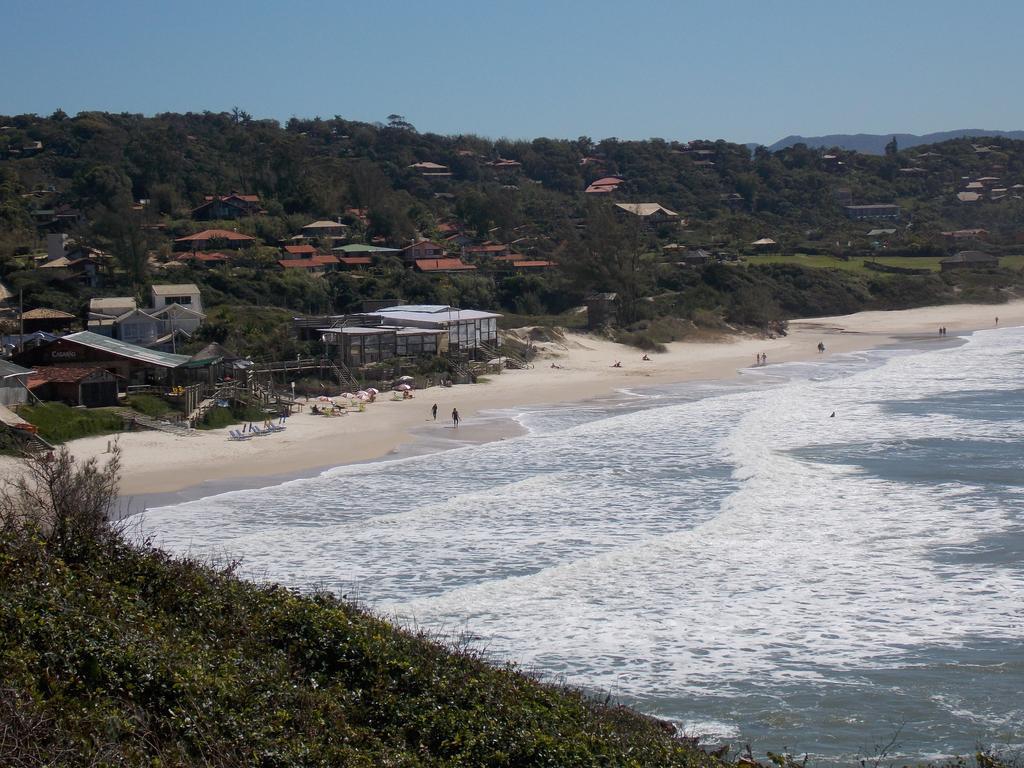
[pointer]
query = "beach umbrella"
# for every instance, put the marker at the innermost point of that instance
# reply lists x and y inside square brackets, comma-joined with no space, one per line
[347,395]
[402,388]
[324,399]
[405,378]
[373,391]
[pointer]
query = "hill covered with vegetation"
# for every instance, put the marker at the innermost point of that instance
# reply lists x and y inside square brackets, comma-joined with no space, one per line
[112,654]
[128,184]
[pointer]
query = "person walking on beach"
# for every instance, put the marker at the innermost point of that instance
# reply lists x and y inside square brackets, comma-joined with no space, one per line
[455,417]
[433,411]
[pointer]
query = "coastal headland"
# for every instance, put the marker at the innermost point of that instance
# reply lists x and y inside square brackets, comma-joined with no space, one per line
[573,369]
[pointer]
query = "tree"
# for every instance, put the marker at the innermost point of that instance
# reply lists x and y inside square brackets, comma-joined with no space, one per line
[612,256]
[400,123]
[65,502]
[891,148]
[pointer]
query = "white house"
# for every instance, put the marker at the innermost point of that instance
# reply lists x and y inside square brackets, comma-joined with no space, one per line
[183,294]
[177,310]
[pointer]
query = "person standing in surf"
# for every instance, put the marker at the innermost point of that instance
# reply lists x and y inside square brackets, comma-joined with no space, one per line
[455,417]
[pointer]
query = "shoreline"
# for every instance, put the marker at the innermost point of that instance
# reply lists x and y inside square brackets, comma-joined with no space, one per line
[160,469]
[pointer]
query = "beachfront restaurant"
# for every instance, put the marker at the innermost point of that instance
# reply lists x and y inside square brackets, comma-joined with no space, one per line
[357,346]
[467,329]
[130,363]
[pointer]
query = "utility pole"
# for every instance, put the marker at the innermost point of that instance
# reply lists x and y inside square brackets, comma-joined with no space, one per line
[21,319]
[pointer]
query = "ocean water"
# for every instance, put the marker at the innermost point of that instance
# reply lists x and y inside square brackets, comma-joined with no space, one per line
[727,556]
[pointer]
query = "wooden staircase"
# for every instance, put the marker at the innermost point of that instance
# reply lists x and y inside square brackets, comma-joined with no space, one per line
[345,377]
[511,360]
[180,428]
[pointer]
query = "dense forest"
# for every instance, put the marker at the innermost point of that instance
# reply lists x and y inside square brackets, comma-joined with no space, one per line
[127,184]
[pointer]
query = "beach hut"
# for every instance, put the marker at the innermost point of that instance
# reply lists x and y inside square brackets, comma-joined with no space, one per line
[89,387]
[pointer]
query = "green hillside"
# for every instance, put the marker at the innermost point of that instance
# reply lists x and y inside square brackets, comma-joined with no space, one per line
[118,655]
[129,185]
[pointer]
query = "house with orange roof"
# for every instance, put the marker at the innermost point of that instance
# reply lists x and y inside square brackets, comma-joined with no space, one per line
[313,265]
[520,265]
[422,249]
[487,250]
[604,186]
[233,206]
[354,262]
[442,266]
[431,170]
[299,251]
[215,238]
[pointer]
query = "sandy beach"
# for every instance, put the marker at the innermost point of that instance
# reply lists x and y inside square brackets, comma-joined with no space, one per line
[158,463]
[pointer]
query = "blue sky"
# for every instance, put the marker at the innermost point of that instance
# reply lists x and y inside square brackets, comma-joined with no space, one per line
[739,70]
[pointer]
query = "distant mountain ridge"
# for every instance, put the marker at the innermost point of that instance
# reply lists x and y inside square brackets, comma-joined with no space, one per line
[874,144]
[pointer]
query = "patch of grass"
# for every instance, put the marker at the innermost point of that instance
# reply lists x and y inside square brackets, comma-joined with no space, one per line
[856,265]
[58,422]
[806,260]
[218,418]
[653,335]
[149,405]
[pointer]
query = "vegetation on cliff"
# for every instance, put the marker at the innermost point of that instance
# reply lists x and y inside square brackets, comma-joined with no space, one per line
[113,654]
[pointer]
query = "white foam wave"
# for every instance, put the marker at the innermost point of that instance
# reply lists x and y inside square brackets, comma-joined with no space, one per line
[728,544]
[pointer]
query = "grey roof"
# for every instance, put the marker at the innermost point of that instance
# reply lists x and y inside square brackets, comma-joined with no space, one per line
[111,305]
[357,248]
[359,330]
[213,351]
[175,289]
[8,369]
[970,256]
[124,349]
[430,313]
[645,209]
[325,224]
[176,310]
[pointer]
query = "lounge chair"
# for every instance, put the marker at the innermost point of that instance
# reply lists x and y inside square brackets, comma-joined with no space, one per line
[235,434]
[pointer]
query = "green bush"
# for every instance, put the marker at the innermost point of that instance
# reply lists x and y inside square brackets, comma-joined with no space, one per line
[58,422]
[218,417]
[149,405]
